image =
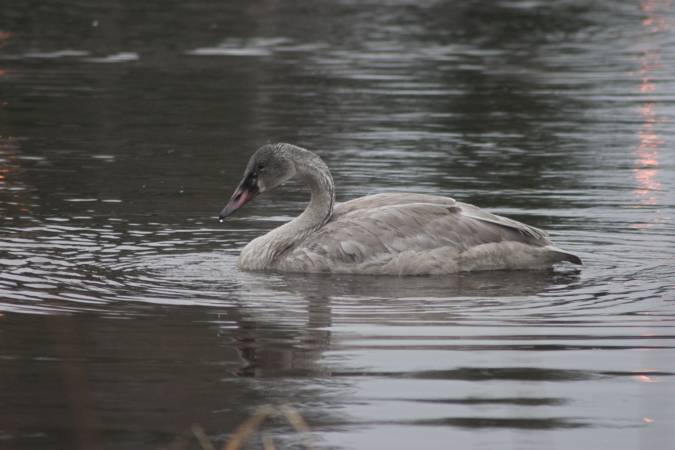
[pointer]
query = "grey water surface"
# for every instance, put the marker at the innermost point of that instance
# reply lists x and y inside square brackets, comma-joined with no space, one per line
[125,126]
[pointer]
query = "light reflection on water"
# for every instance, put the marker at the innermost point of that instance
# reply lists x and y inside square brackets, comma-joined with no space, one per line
[647,153]
[124,319]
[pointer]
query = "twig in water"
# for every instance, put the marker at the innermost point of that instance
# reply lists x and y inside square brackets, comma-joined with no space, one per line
[297,421]
[247,428]
[202,438]
[244,431]
[268,444]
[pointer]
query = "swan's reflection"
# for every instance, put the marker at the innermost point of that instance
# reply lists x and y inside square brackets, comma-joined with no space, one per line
[287,321]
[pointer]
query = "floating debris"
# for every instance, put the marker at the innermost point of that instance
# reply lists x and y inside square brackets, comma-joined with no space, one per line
[246,429]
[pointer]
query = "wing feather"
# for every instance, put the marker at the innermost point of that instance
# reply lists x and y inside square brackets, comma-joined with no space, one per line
[526,230]
[374,228]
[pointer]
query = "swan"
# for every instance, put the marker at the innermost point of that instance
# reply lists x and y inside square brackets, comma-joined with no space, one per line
[382,234]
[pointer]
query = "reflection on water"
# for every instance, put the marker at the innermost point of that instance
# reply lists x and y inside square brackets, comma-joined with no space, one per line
[4,37]
[647,163]
[123,318]
[647,152]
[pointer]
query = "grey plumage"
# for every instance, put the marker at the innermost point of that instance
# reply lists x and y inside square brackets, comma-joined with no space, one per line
[393,233]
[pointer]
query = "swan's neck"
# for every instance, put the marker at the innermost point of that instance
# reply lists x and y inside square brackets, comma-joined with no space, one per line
[316,176]
[261,253]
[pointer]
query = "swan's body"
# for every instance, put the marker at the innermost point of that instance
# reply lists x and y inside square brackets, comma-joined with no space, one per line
[398,233]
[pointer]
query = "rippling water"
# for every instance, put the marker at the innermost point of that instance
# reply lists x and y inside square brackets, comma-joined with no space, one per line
[125,126]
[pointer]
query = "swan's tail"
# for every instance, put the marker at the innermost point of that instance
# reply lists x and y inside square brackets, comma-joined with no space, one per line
[562,255]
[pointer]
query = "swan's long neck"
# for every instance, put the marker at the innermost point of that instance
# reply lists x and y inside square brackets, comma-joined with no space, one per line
[316,176]
[262,252]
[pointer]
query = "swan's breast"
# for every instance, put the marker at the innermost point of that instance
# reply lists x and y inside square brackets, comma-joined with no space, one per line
[256,255]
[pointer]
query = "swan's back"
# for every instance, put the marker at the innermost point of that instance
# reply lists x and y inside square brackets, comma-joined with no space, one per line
[418,234]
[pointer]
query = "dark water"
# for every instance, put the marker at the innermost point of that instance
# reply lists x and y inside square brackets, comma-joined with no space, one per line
[125,126]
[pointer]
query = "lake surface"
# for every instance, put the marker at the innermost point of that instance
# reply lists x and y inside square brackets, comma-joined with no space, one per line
[125,126]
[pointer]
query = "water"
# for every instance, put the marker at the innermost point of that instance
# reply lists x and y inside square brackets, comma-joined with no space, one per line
[125,126]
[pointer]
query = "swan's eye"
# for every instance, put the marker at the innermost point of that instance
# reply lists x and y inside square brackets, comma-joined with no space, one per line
[260,167]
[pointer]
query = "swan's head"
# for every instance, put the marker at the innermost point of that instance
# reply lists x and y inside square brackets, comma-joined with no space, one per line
[270,166]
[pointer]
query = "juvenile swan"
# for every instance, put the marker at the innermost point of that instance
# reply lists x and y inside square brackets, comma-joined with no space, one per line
[397,234]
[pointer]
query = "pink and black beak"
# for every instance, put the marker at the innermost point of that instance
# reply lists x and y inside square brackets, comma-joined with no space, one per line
[245,192]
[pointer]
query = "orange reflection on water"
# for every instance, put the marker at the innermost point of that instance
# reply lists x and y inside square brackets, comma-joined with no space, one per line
[646,170]
[649,62]
[3,171]
[645,379]
[647,154]
[9,163]
[655,22]
[647,86]
[4,37]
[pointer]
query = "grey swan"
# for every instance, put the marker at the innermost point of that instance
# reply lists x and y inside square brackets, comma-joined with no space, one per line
[382,234]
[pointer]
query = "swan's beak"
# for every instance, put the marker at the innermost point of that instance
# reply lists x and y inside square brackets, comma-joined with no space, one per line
[244,193]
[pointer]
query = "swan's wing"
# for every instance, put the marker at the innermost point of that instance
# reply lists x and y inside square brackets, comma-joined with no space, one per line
[390,199]
[475,212]
[359,235]
[371,202]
